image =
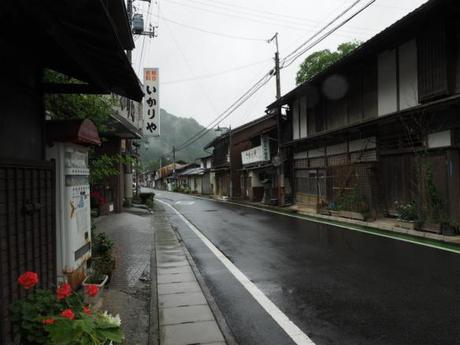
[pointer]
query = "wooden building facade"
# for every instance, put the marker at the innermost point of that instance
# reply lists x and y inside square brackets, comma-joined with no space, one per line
[375,126]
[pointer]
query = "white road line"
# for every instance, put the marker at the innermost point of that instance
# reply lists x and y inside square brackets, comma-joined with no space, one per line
[296,334]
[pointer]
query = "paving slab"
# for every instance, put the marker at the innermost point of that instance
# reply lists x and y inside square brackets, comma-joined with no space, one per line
[174,288]
[178,315]
[176,278]
[178,300]
[191,333]
[174,269]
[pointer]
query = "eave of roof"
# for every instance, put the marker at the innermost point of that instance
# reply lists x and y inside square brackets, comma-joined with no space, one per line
[81,39]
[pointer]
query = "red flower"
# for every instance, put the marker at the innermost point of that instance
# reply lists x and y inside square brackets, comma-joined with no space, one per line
[48,321]
[68,314]
[63,291]
[91,290]
[86,310]
[28,280]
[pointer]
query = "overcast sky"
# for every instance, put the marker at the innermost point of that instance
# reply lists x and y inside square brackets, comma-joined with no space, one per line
[202,73]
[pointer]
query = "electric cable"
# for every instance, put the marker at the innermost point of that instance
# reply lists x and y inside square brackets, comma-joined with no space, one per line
[287,63]
[211,75]
[215,33]
[234,106]
[228,14]
[341,14]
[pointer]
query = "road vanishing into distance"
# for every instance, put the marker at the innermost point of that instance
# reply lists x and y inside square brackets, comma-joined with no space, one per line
[339,286]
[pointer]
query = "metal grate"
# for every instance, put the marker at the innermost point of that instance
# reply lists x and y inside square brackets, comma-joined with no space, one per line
[27,230]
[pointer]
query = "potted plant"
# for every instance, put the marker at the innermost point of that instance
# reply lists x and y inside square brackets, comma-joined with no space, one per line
[61,317]
[102,252]
[408,217]
[352,205]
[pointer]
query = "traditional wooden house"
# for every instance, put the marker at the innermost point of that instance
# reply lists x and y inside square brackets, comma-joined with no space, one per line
[254,145]
[380,127]
[96,57]
[220,165]
[205,165]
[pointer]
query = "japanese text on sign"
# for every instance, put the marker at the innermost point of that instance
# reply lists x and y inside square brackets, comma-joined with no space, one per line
[151,102]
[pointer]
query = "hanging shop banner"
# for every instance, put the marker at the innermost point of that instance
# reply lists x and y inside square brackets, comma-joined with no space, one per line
[151,102]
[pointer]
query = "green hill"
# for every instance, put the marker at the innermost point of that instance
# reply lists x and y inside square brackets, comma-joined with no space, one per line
[174,131]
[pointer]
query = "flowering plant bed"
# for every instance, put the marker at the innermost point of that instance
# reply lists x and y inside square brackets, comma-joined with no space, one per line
[61,317]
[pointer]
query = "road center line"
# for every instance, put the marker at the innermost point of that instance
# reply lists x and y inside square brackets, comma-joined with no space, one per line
[294,332]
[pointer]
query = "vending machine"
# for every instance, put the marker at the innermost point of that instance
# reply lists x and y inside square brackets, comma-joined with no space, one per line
[73,209]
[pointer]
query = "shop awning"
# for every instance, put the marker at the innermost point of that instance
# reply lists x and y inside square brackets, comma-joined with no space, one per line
[84,39]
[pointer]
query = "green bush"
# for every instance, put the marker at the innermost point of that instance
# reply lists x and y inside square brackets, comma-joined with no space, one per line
[102,244]
[407,212]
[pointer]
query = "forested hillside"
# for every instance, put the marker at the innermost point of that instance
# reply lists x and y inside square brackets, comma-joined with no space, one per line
[174,131]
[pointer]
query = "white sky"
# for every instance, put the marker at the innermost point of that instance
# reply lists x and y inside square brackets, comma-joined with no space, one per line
[186,54]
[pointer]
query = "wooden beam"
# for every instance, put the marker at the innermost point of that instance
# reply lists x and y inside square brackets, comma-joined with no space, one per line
[54,88]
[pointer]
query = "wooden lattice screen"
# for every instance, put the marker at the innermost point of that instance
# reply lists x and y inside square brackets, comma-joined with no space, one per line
[27,231]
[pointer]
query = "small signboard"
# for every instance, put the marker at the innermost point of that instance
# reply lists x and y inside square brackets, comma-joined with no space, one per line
[257,154]
[151,102]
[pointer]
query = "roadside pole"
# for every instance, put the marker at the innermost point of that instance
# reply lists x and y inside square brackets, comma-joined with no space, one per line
[230,160]
[280,168]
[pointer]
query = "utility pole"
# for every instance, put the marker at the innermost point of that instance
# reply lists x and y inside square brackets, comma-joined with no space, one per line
[174,166]
[230,159]
[277,65]
[280,169]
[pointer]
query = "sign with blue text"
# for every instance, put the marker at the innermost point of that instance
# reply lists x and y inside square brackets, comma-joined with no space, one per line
[151,102]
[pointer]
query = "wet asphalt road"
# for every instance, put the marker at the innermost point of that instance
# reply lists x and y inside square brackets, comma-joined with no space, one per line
[339,286]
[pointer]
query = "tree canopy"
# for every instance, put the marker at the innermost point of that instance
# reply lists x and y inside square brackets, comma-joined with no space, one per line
[320,60]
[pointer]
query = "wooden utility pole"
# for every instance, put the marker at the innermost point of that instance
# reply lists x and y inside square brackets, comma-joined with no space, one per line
[230,160]
[280,169]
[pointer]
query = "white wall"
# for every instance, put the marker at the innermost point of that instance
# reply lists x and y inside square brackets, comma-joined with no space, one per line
[408,83]
[255,180]
[387,88]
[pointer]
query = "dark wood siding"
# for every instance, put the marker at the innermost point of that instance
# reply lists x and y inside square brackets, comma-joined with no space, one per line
[432,62]
[370,95]
[27,231]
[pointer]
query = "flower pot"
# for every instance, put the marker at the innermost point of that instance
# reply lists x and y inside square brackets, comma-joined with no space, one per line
[406,224]
[95,301]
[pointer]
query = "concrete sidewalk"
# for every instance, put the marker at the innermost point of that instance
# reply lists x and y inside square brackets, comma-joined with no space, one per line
[153,286]
[184,314]
[129,291]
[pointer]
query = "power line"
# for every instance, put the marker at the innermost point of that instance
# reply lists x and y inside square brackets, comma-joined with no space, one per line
[214,33]
[232,108]
[211,75]
[341,14]
[222,116]
[327,34]
[251,19]
[257,11]
[190,67]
